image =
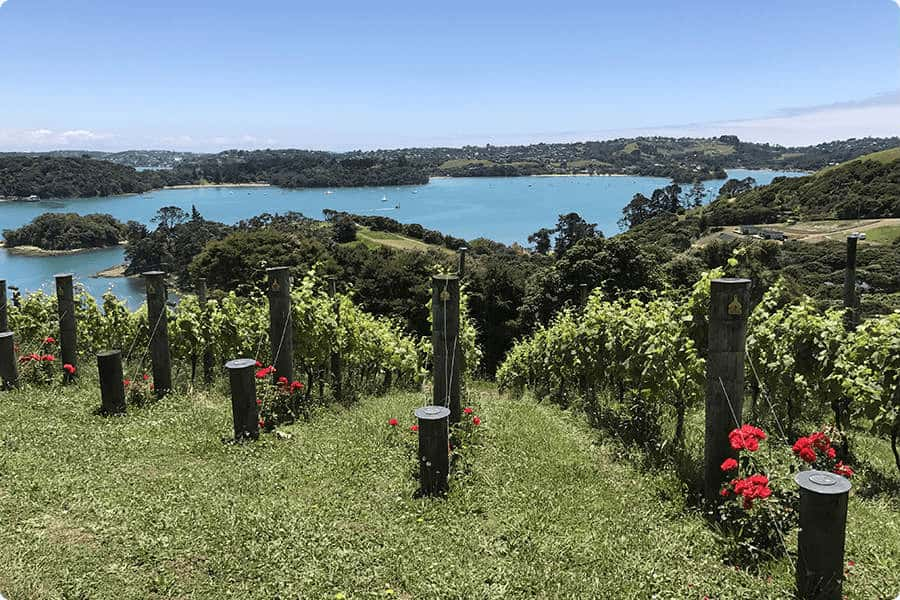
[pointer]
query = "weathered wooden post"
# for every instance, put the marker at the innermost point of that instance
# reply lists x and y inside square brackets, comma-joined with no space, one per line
[820,543]
[68,337]
[281,331]
[445,343]
[242,377]
[4,307]
[434,449]
[157,320]
[851,301]
[9,371]
[462,262]
[336,382]
[112,385]
[208,359]
[583,294]
[729,306]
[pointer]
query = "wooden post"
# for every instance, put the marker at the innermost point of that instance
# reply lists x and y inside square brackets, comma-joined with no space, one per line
[68,337]
[729,306]
[9,371]
[434,450]
[336,381]
[851,301]
[445,343]
[820,543]
[583,294]
[462,262]
[208,359]
[281,331]
[112,385]
[16,296]
[157,317]
[4,307]
[242,377]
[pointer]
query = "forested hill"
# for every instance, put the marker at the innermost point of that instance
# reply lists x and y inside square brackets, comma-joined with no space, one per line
[48,177]
[682,159]
[304,168]
[867,187]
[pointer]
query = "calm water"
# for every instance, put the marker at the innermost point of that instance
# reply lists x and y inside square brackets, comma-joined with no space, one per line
[503,209]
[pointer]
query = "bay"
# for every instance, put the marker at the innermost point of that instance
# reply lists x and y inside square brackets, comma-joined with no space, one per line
[506,209]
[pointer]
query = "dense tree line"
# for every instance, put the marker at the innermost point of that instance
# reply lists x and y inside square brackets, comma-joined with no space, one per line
[862,189]
[67,231]
[48,177]
[302,168]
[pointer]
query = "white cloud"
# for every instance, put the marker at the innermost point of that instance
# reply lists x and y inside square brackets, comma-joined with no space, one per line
[48,139]
[897,2]
[2,2]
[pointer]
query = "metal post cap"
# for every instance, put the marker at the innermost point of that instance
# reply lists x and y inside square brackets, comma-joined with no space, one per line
[152,273]
[731,280]
[240,363]
[105,352]
[432,413]
[63,275]
[822,482]
[6,334]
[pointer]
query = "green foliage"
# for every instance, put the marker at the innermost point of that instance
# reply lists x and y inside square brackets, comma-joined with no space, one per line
[67,231]
[863,189]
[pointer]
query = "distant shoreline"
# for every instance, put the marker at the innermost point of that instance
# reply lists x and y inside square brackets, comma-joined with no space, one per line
[37,251]
[194,186]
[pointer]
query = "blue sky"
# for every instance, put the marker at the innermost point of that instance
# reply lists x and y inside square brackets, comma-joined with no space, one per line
[203,75]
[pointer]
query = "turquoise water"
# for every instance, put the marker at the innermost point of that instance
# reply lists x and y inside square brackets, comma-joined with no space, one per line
[503,209]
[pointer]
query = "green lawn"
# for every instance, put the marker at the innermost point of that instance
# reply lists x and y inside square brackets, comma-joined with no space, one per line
[154,505]
[374,239]
[883,235]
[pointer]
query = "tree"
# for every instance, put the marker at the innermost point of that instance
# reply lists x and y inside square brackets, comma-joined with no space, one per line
[169,216]
[697,195]
[540,239]
[344,230]
[571,229]
[663,201]
[736,187]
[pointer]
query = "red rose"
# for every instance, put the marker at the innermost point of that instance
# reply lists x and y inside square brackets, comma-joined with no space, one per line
[747,437]
[842,469]
[414,428]
[262,423]
[258,364]
[296,386]
[48,358]
[146,377]
[126,382]
[70,369]
[393,422]
[476,421]
[258,402]
[808,454]
[468,411]
[49,340]
[729,464]
[831,452]
[282,380]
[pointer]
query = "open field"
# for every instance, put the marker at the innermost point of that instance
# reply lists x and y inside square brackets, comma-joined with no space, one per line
[154,505]
[373,239]
[878,231]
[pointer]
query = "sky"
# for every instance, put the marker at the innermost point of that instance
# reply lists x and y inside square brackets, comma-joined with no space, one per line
[206,76]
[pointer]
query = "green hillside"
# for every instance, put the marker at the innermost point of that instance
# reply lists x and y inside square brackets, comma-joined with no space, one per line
[154,505]
[864,188]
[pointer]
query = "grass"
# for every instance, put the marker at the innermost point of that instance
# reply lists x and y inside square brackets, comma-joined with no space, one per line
[154,505]
[460,163]
[883,235]
[884,157]
[373,239]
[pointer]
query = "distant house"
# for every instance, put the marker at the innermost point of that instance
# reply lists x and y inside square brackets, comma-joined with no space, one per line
[766,234]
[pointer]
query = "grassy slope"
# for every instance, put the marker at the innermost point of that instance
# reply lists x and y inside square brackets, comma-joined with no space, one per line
[153,505]
[884,157]
[373,239]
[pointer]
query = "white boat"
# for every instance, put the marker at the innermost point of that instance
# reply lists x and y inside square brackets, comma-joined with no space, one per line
[328,192]
[384,198]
